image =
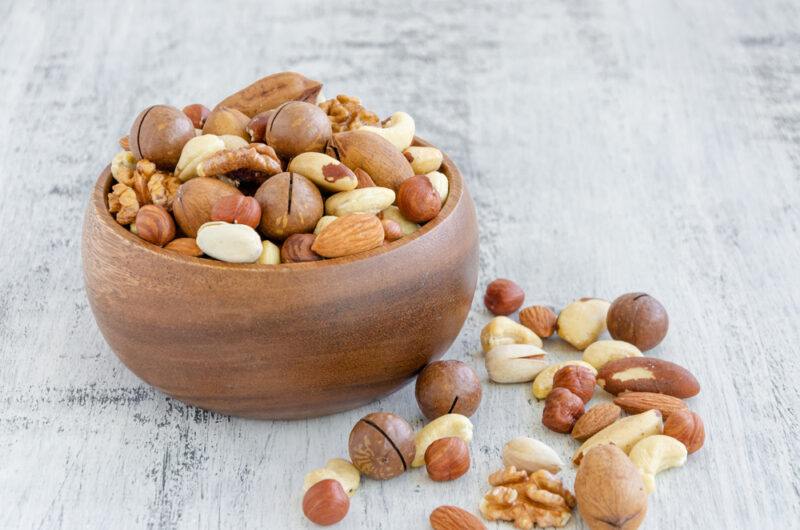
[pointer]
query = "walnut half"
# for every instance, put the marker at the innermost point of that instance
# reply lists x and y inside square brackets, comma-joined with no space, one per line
[347,114]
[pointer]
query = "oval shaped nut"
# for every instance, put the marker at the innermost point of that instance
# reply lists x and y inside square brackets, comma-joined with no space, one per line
[514,363]
[324,171]
[372,154]
[603,351]
[423,160]
[636,402]
[582,321]
[595,420]
[363,200]
[440,183]
[195,151]
[445,426]
[623,433]
[270,253]
[398,129]
[645,374]
[324,221]
[654,454]
[543,383]
[531,455]
[272,91]
[502,330]
[232,141]
[233,243]
[392,213]
[337,469]
[686,427]
[349,234]
[454,518]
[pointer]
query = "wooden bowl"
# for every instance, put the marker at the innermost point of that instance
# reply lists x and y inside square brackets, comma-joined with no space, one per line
[282,341]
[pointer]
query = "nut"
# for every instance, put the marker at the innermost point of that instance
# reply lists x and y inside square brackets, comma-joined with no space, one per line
[392,213]
[229,242]
[440,183]
[360,149]
[595,420]
[324,221]
[237,209]
[257,126]
[363,200]
[122,201]
[297,249]
[623,433]
[645,374]
[364,180]
[636,402]
[382,445]
[514,363]
[194,200]
[155,225]
[582,321]
[536,500]
[423,160]
[122,167]
[225,120]
[454,518]
[347,114]
[654,454]
[159,133]
[603,351]
[418,200]
[561,410]
[539,319]
[290,204]
[447,459]
[270,92]
[195,151]
[445,387]
[543,383]
[338,469]
[610,490]
[638,318]
[326,503]
[530,455]
[503,297]
[350,234]
[391,230]
[249,163]
[198,113]
[270,253]
[442,427]
[324,171]
[577,379]
[502,330]
[186,246]
[298,127]
[686,427]
[398,130]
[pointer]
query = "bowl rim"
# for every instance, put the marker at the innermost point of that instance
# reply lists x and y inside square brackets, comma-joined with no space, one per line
[456,191]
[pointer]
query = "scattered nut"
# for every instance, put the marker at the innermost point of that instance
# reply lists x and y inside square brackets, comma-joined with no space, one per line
[298,127]
[543,383]
[225,120]
[514,363]
[502,330]
[561,410]
[637,402]
[198,113]
[540,319]
[442,427]
[454,518]
[237,209]
[447,459]
[639,319]
[536,500]
[338,469]
[418,200]
[595,420]
[623,433]
[398,129]
[423,160]
[582,322]
[326,503]
[186,246]
[270,253]
[531,455]
[654,454]
[159,133]
[382,445]
[228,242]
[603,351]
[155,225]
[363,200]
[445,387]
[686,427]
[645,374]
[577,379]
[503,297]
[297,248]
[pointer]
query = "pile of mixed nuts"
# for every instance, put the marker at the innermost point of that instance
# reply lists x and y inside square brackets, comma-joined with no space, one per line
[274,174]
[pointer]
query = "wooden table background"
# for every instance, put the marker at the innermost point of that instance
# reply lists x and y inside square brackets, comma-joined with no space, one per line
[610,146]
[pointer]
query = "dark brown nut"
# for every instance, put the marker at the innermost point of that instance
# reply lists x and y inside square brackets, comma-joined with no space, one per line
[418,200]
[257,126]
[194,201]
[645,374]
[503,297]
[298,127]
[271,91]
[198,113]
[290,204]
[159,133]
[639,319]
[186,246]
[392,231]
[297,249]
[577,379]
[381,445]
[447,459]
[155,225]
[539,319]
[237,209]
[364,180]
[445,387]
[686,427]
[225,120]
[561,410]
[326,503]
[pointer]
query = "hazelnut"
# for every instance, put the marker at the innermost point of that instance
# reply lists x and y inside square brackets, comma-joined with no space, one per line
[445,387]
[686,427]
[290,204]
[418,200]
[225,120]
[447,459]
[392,231]
[639,319]
[577,379]
[298,127]
[186,246]
[503,297]
[326,503]
[198,113]
[155,225]
[237,209]
[297,248]
[194,201]
[159,133]
[561,410]
[539,319]
[257,126]
[382,445]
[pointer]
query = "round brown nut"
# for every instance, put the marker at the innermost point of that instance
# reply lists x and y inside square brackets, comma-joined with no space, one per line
[186,246]
[561,410]
[159,133]
[577,379]
[237,209]
[198,113]
[283,215]
[391,230]
[155,225]
[297,249]
[503,297]
[445,387]
[298,127]
[418,200]
[539,319]
[326,503]
[257,126]
[195,199]
[639,319]
[686,427]
[225,120]
[447,459]
[382,445]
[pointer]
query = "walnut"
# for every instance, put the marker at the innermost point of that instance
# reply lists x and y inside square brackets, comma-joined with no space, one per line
[347,114]
[536,500]
[122,167]
[255,157]
[162,188]
[122,201]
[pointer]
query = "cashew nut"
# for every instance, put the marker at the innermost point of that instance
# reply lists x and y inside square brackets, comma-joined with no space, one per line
[338,469]
[503,330]
[583,321]
[195,151]
[440,184]
[543,383]
[393,214]
[324,171]
[514,363]
[324,221]
[623,433]
[423,159]
[656,453]
[363,200]
[442,427]
[531,455]
[603,351]
[399,130]
[270,253]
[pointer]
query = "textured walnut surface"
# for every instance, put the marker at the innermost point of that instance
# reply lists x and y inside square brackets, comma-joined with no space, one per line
[609,147]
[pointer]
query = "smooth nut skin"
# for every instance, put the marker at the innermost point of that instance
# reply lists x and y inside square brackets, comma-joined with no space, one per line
[282,216]
[595,420]
[381,445]
[686,427]
[447,459]
[225,120]
[646,374]
[561,410]
[539,319]
[453,517]
[194,201]
[503,297]
[186,246]
[418,200]
[155,225]
[326,503]
[257,126]
[298,127]
[639,319]
[392,231]
[237,209]
[159,133]
[297,249]
[445,387]
[198,113]
[577,379]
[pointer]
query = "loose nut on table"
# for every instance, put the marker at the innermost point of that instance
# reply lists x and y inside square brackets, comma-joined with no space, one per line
[582,322]
[363,200]
[531,455]
[539,319]
[297,249]
[159,133]
[326,502]
[418,200]
[225,120]
[298,127]
[440,183]
[290,204]
[445,387]
[655,454]
[454,518]
[639,319]
[595,420]
[503,297]
[392,213]
[646,374]
[423,160]
[603,351]
[370,152]
[577,379]
[442,427]
[349,234]
[270,253]
[324,171]
[155,225]
[543,383]
[562,409]
[195,151]
[447,459]
[539,500]
[237,209]
[228,242]
[502,330]
[686,427]
[514,363]
[623,433]
[198,113]
[338,469]
[194,201]
[382,445]
[637,402]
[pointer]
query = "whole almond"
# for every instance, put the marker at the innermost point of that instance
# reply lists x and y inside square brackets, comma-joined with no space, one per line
[636,402]
[454,518]
[646,374]
[349,234]
[186,246]
[595,420]
[539,319]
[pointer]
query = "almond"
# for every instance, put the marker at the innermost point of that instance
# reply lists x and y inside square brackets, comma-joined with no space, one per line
[636,402]
[595,420]
[349,234]
[454,518]
[645,374]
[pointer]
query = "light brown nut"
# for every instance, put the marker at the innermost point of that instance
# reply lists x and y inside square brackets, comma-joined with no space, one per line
[636,402]
[595,420]
[418,200]
[159,133]
[392,213]
[447,459]
[349,234]
[326,502]
[195,151]
[225,120]
[543,383]
[290,204]
[454,518]
[442,427]
[639,319]
[577,379]
[297,249]
[324,221]
[364,150]
[445,387]
[440,183]
[270,92]
[539,319]
[338,469]
[155,225]
[186,246]
[391,230]
[686,427]
[382,445]
[122,166]
[623,433]
[502,296]
[398,130]
[423,160]
[297,127]
[646,374]
[582,322]
[654,454]
[603,351]
[561,410]
[194,201]
[237,209]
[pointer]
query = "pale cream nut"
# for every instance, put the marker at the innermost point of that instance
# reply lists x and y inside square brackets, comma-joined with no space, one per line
[604,351]
[232,141]
[502,330]
[363,200]
[440,184]
[654,454]
[398,129]
[324,221]
[195,151]
[442,427]
[337,469]
[623,433]
[514,363]
[543,383]
[270,253]
[583,321]
[313,166]
[393,214]
[423,159]
[531,455]
[229,242]
[122,167]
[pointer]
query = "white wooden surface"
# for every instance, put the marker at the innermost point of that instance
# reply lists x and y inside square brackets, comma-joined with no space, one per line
[610,146]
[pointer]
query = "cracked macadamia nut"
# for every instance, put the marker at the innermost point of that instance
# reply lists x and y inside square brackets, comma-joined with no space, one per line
[639,319]
[382,445]
[445,387]
[290,204]
[503,297]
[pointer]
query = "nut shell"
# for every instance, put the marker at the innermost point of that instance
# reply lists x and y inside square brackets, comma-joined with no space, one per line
[639,319]
[646,374]
[224,120]
[271,91]
[237,209]
[577,379]
[445,387]
[539,319]
[297,249]
[155,225]
[418,200]
[381,445]
[298,127]
[561,410]
[503,297]
[686,427]
[282,215]
[159,133]
[194,201]
[447,459]
[326,503]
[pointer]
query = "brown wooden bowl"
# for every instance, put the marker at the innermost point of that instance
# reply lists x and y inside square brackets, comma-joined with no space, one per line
[282,341]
